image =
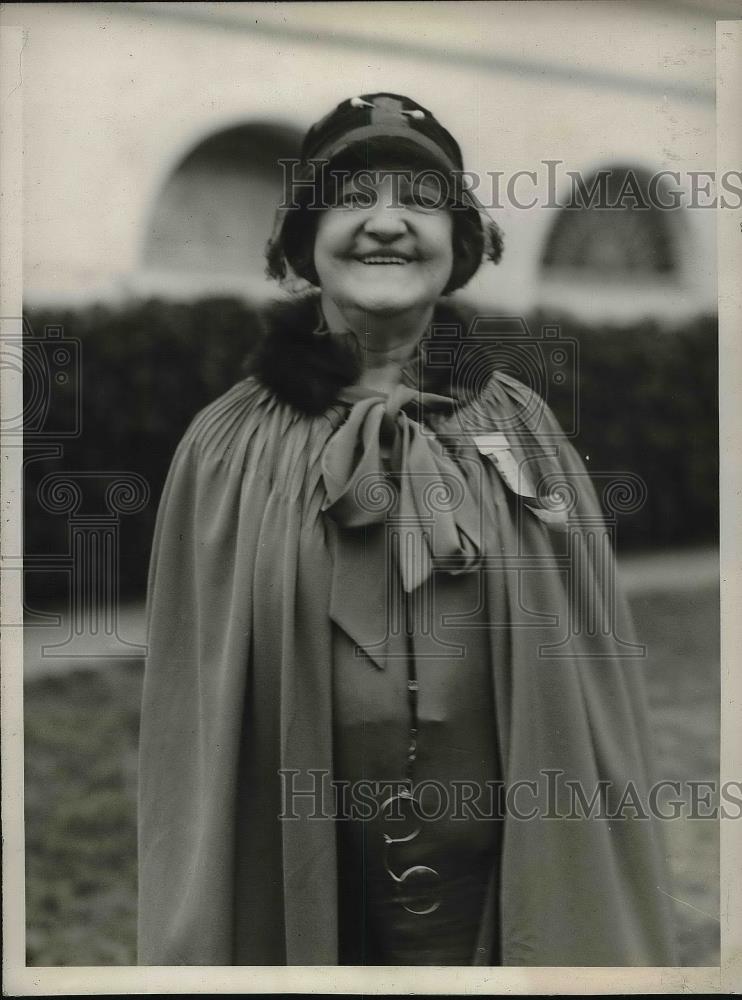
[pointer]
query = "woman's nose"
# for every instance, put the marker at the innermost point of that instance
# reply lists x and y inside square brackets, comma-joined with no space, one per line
[385,222]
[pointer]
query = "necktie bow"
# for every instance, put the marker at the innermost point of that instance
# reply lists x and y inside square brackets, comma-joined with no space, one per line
[383,468]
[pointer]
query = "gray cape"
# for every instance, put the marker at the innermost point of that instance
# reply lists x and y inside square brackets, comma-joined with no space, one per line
[238,686]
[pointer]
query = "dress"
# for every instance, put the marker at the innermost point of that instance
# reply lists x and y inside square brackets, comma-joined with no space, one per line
[258,538]
[456,743]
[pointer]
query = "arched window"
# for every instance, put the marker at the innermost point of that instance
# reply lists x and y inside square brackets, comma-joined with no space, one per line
[215,212]
[612,227]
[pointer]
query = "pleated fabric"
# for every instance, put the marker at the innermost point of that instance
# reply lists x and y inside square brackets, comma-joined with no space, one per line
[238,697]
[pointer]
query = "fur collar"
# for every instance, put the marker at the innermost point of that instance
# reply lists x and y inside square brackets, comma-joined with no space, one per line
[307,370]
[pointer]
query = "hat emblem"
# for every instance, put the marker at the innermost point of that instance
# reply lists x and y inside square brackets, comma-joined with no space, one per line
[386,110]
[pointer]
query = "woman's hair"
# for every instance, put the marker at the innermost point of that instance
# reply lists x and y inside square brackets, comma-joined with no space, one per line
[476,237]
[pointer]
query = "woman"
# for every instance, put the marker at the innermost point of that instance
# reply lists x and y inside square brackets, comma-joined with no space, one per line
[367,668]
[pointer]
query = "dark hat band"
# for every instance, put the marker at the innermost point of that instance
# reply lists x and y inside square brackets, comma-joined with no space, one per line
[366,132]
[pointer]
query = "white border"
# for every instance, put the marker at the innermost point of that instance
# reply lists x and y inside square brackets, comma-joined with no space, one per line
[11,505]
[729,246]
[17,979]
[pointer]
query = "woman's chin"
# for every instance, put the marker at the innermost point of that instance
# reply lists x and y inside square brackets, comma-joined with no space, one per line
[388,302]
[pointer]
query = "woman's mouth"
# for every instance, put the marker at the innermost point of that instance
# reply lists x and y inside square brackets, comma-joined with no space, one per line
[377,259]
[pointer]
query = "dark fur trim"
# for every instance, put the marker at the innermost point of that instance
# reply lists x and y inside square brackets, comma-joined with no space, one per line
[303,368]
[307,370]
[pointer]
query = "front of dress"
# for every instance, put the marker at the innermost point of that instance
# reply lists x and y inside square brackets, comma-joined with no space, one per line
[414,709]
[455,772]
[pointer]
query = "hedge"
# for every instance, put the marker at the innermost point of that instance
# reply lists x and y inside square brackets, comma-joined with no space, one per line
[647,404]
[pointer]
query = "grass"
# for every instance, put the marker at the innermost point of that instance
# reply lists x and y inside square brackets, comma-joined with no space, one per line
[80,740]
[681,631]
[80,789]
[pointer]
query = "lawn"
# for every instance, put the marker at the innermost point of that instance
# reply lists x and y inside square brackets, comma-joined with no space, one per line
[81,772]
[81,734]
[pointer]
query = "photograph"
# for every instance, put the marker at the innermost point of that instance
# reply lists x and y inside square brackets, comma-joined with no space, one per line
[364,586]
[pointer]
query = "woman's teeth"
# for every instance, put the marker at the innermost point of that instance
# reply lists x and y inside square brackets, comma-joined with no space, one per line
[384,260]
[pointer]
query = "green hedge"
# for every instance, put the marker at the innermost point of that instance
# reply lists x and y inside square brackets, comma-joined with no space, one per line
[647,404]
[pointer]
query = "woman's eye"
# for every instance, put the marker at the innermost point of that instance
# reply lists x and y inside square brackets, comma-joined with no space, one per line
[424,198]
[357,199]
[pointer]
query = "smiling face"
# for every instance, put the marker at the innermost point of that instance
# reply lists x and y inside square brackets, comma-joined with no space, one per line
[381,250]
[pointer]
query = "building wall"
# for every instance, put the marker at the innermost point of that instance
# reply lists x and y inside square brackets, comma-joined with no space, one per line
[116,95]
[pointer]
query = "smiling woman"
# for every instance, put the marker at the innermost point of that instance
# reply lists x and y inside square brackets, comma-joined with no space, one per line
[363,635]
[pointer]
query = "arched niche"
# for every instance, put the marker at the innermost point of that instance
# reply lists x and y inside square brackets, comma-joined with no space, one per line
[215,211]
[614,227]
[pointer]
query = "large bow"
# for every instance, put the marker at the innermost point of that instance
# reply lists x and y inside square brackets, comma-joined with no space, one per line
[403,504]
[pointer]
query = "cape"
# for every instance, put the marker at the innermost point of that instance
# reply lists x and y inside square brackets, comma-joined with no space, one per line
[237,696]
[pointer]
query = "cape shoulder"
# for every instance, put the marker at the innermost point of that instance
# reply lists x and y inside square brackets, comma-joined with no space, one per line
[534,457]
[523,416]
[249,449]
[221,430]
[215,429]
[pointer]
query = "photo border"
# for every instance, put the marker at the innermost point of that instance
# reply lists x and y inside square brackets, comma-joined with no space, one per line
[116,980]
